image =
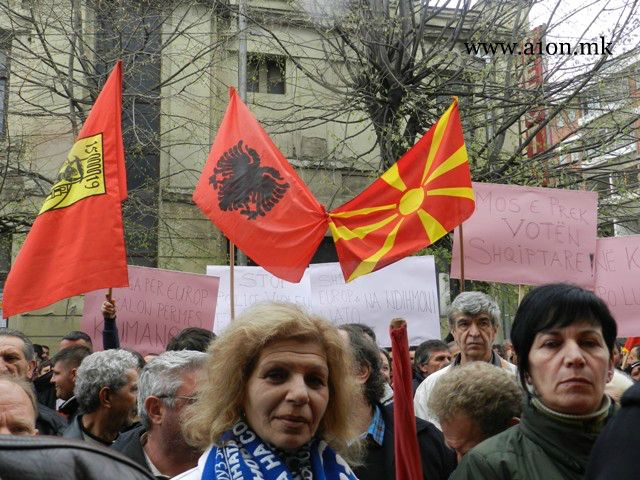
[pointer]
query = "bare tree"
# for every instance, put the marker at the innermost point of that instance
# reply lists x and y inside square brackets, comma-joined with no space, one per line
[59,54]
[368,77]
[391,67]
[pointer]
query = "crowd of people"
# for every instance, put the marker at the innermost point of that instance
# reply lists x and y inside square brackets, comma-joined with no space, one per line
[284,394]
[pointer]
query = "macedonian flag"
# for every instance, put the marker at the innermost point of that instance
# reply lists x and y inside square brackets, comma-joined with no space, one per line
[424,195]
[76,243]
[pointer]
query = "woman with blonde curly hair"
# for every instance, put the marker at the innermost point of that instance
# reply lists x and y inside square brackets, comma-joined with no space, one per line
[274,403]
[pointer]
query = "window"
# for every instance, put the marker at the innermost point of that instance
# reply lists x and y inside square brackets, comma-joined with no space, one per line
[266,73]
[140,117]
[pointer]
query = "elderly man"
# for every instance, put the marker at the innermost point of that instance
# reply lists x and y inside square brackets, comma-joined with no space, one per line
[18,407]
[17,358]
[474,402]
[106,390]
[374,421]
[473,320]
[65,369]
[167,385]
[430,357]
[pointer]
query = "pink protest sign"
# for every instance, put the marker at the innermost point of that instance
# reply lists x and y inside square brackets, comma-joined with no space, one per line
[618,281]
[156,306]
[530,236]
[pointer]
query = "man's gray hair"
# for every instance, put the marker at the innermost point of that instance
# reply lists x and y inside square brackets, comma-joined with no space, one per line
[473,303]
[488,395]
[162,377]
[98,370]
[29,352]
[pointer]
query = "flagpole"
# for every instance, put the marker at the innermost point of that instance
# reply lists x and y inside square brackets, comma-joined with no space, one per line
[232,257]
[520,293]
[461,259]
[242,91]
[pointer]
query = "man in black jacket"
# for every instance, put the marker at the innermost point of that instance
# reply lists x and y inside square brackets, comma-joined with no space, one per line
[65,367]
[375,422]
[17,358]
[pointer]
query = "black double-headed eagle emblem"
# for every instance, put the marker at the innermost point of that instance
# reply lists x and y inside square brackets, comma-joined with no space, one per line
[244,185]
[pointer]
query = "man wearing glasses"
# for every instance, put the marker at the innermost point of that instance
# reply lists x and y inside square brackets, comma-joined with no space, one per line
[473,321]
[167,385]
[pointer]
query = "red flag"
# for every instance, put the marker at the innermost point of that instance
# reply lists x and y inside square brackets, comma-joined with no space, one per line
[424,195]
[76,243]
[405,437]
[631,342]
[254,196]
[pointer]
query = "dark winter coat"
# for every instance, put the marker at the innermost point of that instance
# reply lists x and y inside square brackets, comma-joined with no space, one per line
[615,454]
[438,461]
[129,445]
[538,448]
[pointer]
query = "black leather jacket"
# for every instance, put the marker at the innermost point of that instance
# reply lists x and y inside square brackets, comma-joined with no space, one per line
[24,458]
[49,422]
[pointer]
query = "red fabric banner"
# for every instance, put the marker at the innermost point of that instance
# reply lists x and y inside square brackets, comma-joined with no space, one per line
[424,195]
[405,437]
[254,196]
[631,342]
[76,243]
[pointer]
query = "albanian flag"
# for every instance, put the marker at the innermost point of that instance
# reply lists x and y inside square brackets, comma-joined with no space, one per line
[254,196]
[424,195]
[76,243]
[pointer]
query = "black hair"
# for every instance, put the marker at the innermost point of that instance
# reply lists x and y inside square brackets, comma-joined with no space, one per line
[44,364]
[74,335]
[192,338]
[386,353]
[426,348]
[366,354]
[37,348]
[71,356]
[557,305]
[366,329]
[139,358]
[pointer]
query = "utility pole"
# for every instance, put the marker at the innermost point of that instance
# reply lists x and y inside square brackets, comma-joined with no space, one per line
[242,73]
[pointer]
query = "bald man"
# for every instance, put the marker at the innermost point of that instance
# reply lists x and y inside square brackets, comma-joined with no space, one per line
[18,409]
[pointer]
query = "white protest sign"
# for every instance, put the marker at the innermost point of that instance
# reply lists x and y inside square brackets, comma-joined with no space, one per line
[406,289]
[254,285]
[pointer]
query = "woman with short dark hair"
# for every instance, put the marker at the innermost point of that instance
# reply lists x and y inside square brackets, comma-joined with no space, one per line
[563,336]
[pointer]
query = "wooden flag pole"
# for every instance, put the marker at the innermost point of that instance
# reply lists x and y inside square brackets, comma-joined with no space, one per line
[461,259]
[232,258]
[110,295]
[520,293]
